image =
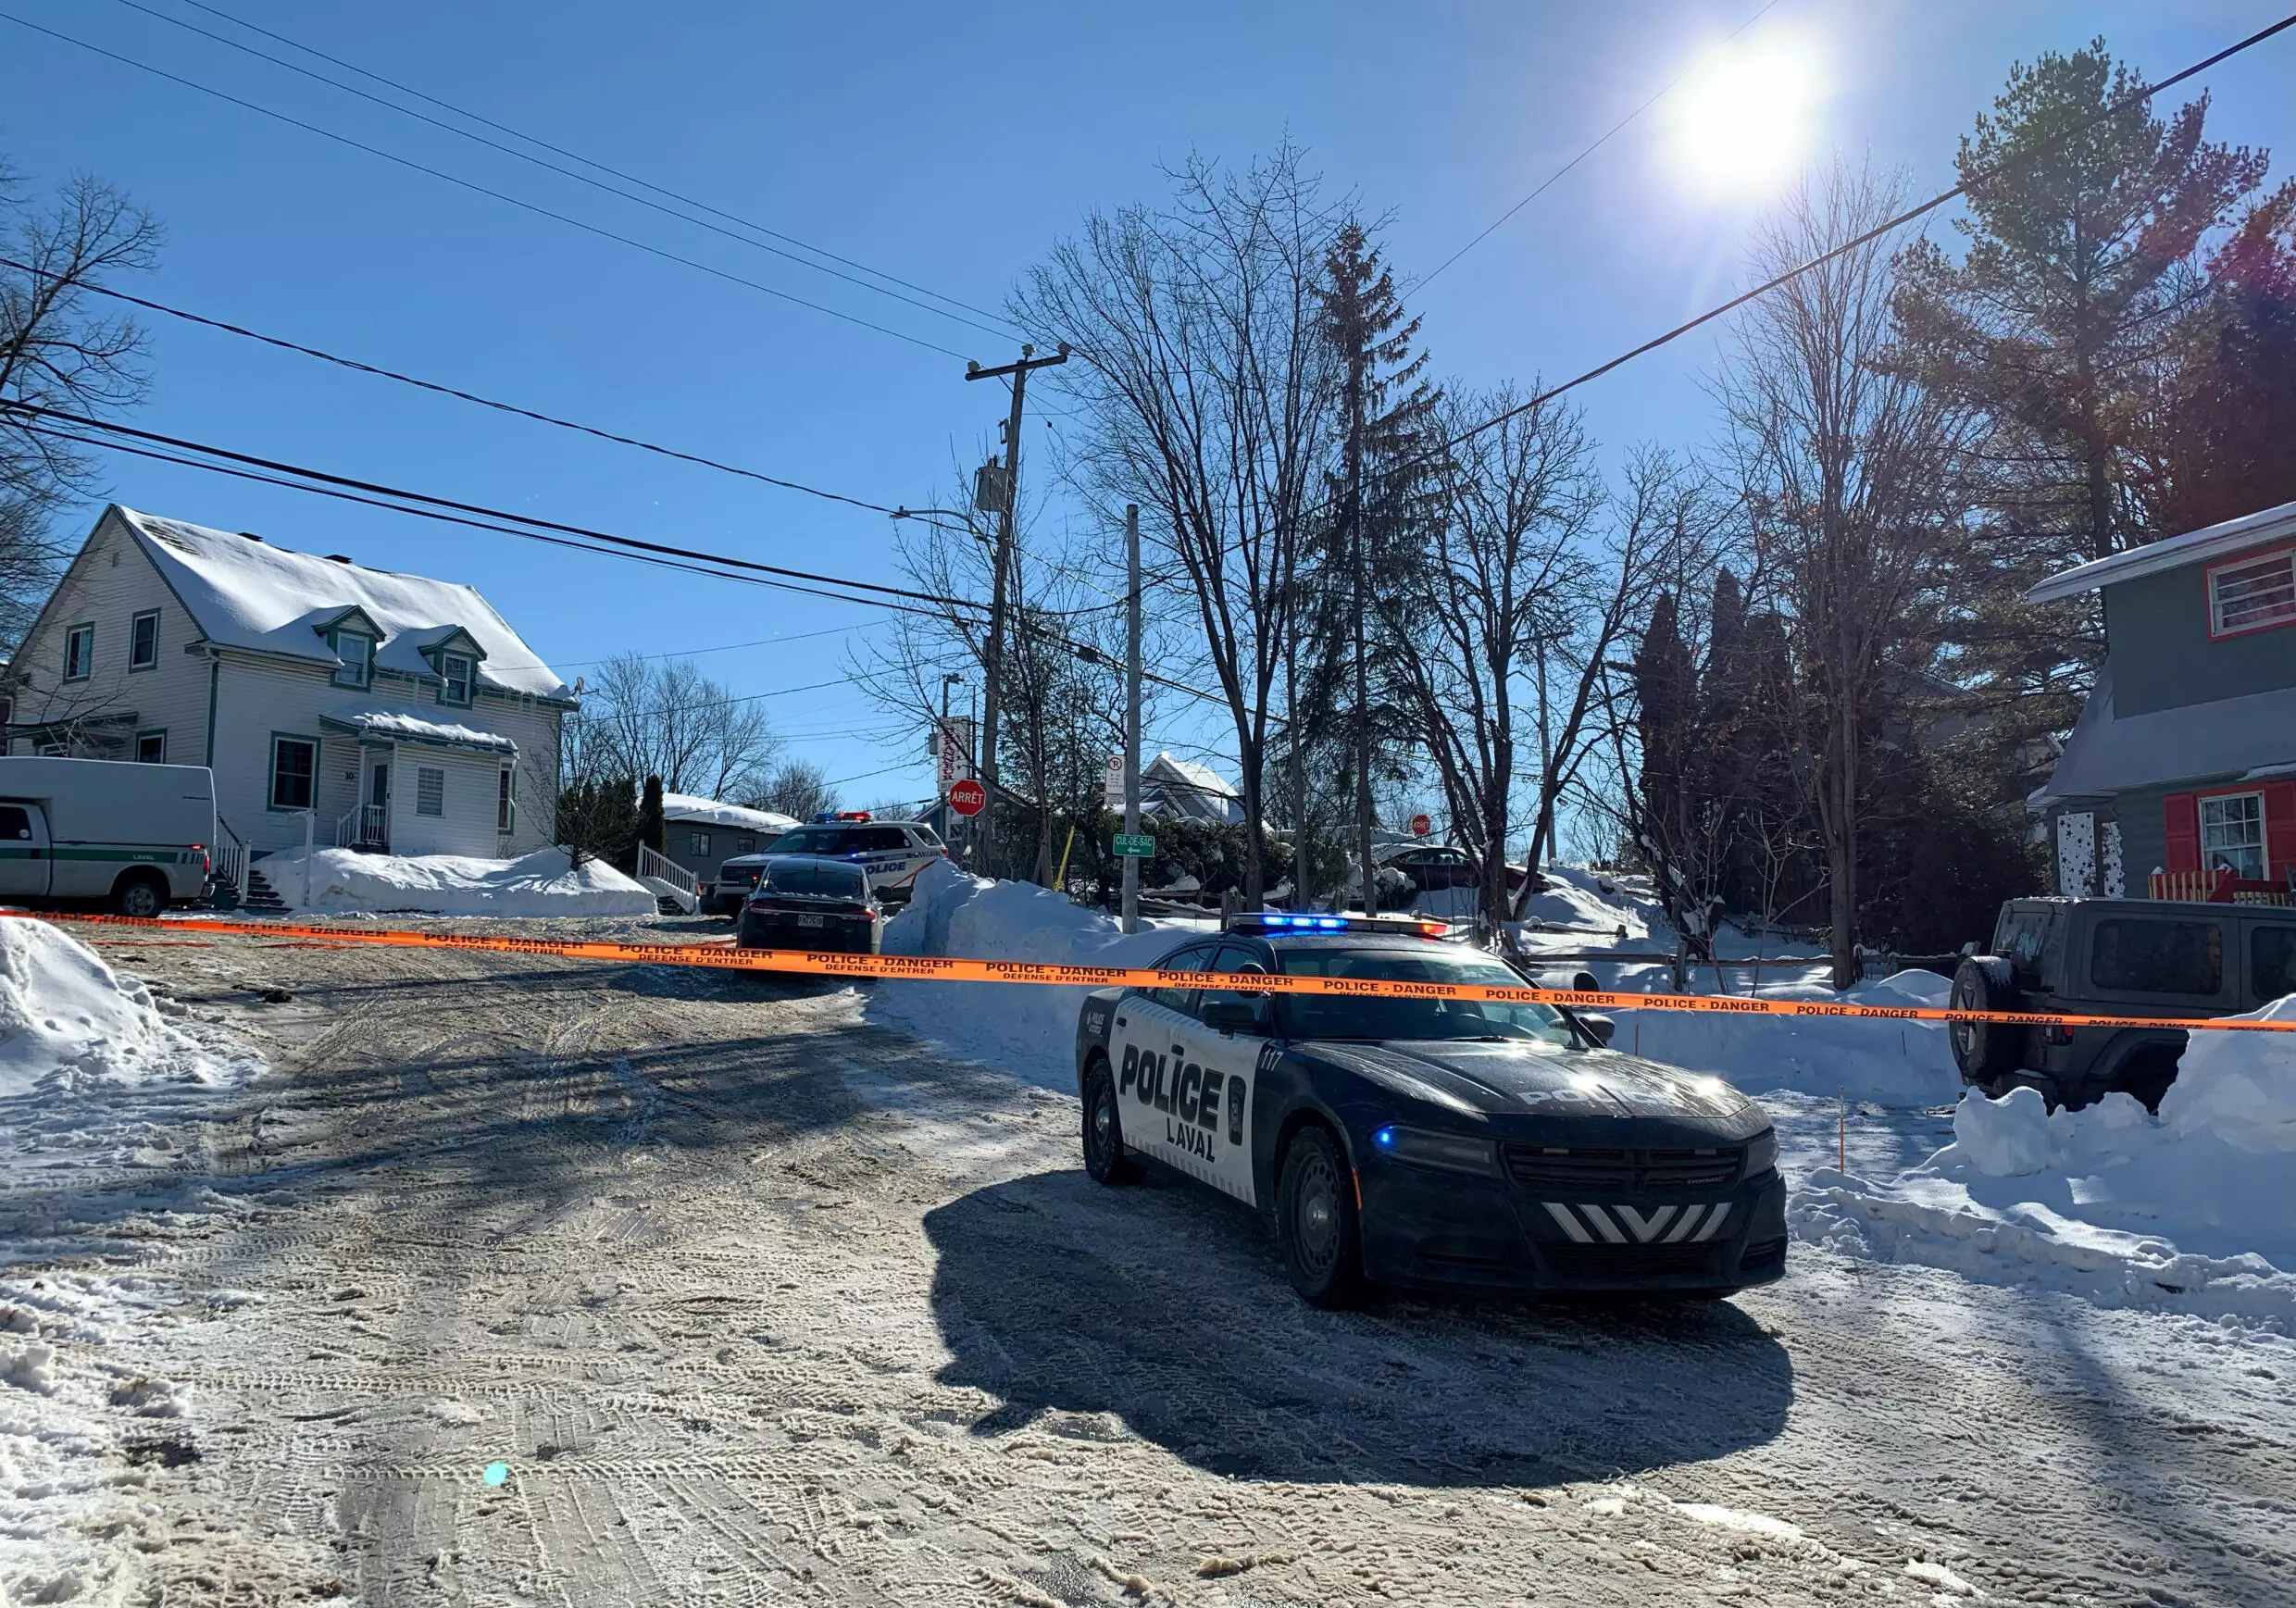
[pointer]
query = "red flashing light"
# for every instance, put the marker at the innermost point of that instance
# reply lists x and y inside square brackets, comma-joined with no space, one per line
[853,814]
[1433,929]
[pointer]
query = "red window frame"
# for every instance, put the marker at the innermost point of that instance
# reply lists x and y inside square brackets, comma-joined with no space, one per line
[2208,593]
[2181,820]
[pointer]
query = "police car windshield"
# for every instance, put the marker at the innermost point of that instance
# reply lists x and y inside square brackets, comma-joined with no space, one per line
[813,841]
[830,879]
[1344,1016]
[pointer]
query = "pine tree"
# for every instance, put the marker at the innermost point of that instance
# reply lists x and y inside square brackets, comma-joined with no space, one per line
[652,830]
[1385,401]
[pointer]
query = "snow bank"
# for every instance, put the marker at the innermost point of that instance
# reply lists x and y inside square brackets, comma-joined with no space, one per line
[342,880]
[1887,1062]
[69,1022]
[2190,1211]
[1029,1030]
[99,1082]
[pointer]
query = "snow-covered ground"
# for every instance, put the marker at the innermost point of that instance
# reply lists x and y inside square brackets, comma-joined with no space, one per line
[2190,1212]
[96,1073]
[344,881]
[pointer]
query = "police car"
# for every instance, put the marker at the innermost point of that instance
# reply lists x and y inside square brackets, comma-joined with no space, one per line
[1427,1141]
[892,853]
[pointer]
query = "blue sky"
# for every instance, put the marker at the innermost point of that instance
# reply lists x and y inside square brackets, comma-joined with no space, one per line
[950,147]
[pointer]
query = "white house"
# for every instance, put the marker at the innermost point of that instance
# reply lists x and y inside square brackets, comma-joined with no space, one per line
[702,833]
[1179,789]
[404,712]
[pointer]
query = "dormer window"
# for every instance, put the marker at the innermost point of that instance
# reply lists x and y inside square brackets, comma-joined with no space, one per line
[356,650]
[454,671]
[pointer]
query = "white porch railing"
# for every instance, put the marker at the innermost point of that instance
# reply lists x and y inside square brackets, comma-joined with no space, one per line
[668,879]
[363,826]
[226,861]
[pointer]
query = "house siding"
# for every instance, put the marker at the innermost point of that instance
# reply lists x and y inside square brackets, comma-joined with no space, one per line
[2157,634]
[109,583]
[255,696]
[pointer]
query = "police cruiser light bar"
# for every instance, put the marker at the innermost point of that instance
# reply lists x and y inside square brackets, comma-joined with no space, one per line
[828,817]
[1276,923]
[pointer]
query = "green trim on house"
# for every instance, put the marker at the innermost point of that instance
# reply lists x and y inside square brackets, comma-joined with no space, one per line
[215,681]
[137,619]
[270,774]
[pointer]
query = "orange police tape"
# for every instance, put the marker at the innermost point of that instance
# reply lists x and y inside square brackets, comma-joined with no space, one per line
[936,968]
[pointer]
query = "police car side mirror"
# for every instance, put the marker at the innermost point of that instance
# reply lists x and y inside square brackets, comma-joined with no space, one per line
[1233,1017]
[1601,1027]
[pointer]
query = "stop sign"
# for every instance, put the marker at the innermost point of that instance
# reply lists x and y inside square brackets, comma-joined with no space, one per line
[968,797]
[1421,826]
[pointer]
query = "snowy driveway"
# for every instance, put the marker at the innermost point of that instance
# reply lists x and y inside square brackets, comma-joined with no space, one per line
[754,1303]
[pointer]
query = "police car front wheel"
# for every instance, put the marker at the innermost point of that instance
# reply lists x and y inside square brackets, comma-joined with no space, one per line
[1103,1129]
[1315,1218]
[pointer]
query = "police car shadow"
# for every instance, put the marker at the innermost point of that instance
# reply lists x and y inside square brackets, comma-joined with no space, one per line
[1162,1311]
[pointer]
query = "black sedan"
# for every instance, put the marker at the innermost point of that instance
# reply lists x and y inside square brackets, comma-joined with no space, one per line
[1427,1141]
[801,901]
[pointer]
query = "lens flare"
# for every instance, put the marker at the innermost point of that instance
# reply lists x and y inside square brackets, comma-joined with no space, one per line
[1744,119]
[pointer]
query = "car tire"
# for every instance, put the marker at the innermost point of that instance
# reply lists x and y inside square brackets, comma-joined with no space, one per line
[140,895]
[1317,1224]
[1986,1051]
[1106,1161]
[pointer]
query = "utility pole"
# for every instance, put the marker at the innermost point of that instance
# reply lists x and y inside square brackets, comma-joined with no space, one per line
[1132,711]
[941,762]
[994,666]
[1363,602]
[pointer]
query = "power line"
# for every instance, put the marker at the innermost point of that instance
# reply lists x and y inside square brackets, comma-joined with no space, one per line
[551,166]
[723,647]
[477,189]
[1549,182]
[432,385]
[588,162]
[2134,97]
[452,512]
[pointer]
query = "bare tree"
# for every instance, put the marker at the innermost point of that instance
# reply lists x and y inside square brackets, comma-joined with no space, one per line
[1847,470]
[57,350]
[1208,389]
[1503,545]
[664,717]
[797,788]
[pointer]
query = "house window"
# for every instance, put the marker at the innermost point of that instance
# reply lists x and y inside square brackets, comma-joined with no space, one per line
[2232,834]
[357,653]
[699,847]
[143,641]
[506,806]
[429,791]
[151,747]
[295,763]
[749,846]
[79,653]
[2251,595]
[455,671]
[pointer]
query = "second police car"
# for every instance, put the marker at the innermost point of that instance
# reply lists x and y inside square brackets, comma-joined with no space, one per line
[892,853]
[1427,1141]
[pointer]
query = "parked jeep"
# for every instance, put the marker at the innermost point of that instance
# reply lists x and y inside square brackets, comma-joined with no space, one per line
[2113,957]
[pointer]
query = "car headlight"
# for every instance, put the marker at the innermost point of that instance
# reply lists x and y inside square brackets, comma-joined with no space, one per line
[1421,1147]
[1761,1152]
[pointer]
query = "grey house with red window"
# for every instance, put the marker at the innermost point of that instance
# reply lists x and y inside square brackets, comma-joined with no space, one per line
[2179,781]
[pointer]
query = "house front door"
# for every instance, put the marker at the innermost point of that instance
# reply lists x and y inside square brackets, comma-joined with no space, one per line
[374,818]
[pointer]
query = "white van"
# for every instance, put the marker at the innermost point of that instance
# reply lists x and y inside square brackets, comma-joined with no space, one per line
[136,835]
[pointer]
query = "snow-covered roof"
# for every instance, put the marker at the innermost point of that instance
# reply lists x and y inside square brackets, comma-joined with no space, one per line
[246,593]
[402,727]
[2214,541]
[1201,776]
[681,806]
[2235,736]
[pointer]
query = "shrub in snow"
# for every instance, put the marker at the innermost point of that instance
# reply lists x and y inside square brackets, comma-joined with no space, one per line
[2004,1138]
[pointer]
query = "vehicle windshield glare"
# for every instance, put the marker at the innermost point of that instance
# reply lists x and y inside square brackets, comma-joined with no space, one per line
[813,841]
[822,879]
[1346,1017]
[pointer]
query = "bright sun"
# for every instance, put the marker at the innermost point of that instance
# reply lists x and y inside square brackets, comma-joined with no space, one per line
[1742,118]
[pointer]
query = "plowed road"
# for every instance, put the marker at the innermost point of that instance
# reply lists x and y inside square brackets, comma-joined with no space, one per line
[755,1301]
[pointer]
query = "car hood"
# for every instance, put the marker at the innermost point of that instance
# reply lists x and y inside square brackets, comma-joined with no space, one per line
[1516,1077]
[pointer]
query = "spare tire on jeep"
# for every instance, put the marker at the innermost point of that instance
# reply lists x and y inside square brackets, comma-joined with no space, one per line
[1984,1050]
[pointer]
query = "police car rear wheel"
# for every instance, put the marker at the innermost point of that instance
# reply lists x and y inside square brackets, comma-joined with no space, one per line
[1104,1159]
[1315,1218]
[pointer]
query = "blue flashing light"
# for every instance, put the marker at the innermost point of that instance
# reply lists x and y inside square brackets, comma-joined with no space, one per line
[1384,1138]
